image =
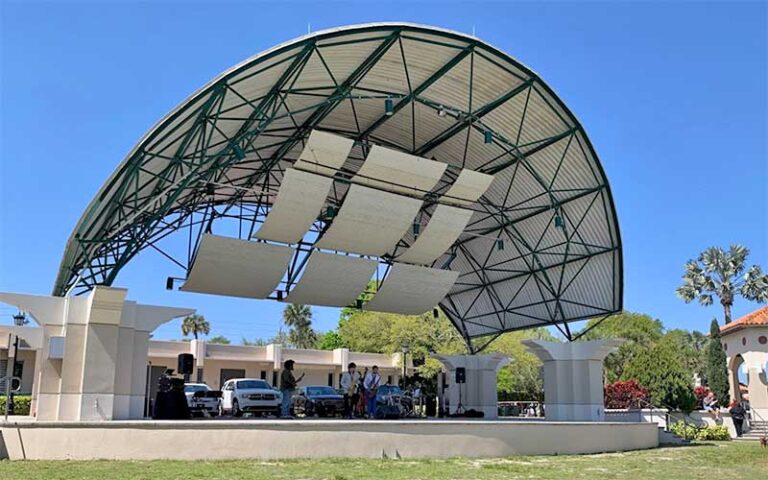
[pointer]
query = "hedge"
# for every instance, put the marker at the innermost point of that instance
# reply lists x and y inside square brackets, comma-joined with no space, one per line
[690,431]
[21,404]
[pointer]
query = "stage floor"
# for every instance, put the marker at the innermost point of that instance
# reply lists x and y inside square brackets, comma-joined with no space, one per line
[316,438]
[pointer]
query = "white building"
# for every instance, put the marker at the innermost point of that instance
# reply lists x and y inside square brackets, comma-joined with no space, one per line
[745,342]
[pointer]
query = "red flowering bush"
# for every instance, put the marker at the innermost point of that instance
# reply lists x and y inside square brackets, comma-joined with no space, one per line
[625,394]
[700,392]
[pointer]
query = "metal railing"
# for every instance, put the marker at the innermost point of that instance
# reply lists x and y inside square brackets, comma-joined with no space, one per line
[763,422]
[665,411]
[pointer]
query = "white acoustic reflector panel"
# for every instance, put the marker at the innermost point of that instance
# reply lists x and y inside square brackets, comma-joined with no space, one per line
[300,199]
[468,187]
[412,290]
[395,171]
[237,268]
[370,222]
[324,153]
[332,280]
[444,227]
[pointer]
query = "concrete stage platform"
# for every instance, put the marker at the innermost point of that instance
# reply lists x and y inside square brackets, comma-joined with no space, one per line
[281,439]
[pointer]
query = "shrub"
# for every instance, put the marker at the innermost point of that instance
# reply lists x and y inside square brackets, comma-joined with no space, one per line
[625,394]
[684,430]
[713,432]
[21,404]
[690,431]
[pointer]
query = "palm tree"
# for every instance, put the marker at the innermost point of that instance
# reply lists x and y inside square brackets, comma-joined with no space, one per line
[195,324]
[298,319]
[722,274]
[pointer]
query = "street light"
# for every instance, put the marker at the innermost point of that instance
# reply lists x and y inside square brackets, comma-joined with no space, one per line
[20,319]
[404,348]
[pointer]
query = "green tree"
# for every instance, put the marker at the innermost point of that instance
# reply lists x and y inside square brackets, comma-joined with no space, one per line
[722,274]
[716,372]
[219,339]
[692,346]
[330,341]
[522,378]
[375,332]
[195,324]
[663,370]
[639,331]
[298,319]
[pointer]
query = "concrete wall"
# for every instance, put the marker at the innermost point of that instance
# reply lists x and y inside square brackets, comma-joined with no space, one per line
[317,439]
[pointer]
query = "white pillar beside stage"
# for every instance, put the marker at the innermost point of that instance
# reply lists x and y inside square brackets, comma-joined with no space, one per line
[479,392]
[93,361]
[573,378]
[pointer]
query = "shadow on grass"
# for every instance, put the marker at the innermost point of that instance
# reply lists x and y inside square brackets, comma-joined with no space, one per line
[687,445]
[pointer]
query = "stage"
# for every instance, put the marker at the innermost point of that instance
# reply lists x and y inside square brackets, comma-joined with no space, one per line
[299,438]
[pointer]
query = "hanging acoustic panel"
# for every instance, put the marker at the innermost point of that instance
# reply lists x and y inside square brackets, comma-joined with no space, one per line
[400,172]
[370,222]
[300,199]
[467,188]
[237,268]
[444,227]
[412,290]
[332,280]
[324,153]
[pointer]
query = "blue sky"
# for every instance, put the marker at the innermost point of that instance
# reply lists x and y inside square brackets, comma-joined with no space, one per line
[672,95]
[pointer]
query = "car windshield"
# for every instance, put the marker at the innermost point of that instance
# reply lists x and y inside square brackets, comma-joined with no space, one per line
[313,391]
[390,390]
[196,388]
[253,384]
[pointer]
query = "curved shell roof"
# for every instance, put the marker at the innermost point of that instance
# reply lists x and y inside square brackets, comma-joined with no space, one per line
[543,246]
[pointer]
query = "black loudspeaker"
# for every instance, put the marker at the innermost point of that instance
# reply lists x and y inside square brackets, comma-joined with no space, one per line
[186,363]
[461,375]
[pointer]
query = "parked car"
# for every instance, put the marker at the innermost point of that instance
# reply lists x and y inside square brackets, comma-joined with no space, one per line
[393,395]
[318,400]
[201,399]
[252,395]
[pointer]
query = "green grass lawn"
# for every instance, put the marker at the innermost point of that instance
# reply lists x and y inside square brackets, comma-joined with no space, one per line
[720,460]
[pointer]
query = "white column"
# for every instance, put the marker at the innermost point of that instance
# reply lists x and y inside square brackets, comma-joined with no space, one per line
[479,392]
[573,378]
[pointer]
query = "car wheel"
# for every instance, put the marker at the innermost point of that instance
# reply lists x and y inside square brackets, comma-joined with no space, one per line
[236,412]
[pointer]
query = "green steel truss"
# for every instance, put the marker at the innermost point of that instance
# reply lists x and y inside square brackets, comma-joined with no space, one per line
[178,179]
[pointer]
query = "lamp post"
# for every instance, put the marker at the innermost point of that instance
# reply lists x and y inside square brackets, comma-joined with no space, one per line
[404,350]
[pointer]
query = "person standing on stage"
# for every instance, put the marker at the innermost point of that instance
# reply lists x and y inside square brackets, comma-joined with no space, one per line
[288,384]
[349,382]
[371,384]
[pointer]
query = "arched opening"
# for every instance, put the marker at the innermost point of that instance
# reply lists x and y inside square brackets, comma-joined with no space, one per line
[739,379]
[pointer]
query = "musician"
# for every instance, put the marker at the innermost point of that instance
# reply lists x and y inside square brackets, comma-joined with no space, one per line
[371,383]
[349,383]
[362,400]
[288,384]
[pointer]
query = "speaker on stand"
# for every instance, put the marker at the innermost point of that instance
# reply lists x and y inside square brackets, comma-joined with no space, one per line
[185,365]
[461,378]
